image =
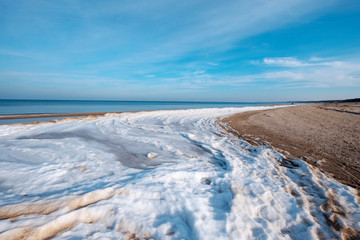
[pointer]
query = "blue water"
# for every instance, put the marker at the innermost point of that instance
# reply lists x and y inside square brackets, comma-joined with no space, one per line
[21,107]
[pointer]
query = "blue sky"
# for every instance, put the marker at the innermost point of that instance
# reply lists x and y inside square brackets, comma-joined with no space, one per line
[249,50]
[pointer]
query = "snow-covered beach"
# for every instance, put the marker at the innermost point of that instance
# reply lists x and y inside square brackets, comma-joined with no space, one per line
[162,175]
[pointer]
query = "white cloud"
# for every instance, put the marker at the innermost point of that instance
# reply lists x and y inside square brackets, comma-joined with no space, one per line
[318,59]
[167,29]
[219,25]
[61,79]
[285,62]
[315,72]
[291,76]
[298,74]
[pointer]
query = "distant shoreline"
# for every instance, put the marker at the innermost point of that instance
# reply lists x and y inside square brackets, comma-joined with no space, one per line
[200,102]
[44,110]
[12,109]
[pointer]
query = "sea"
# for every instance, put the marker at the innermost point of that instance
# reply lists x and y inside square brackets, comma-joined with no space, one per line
[27,107]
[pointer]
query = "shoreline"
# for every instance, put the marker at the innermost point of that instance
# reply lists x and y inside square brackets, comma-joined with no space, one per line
[102,167]
[271,127]
[63,116]
[52,115]
[326,136]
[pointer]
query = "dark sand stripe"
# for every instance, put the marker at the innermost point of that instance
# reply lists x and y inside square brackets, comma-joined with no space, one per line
[53,115]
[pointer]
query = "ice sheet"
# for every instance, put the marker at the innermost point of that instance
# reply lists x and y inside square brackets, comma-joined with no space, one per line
[161,175]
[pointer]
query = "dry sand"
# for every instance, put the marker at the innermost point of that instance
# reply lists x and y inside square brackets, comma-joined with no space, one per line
[324,135]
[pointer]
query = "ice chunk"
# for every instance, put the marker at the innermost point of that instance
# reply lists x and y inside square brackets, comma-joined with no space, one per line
[152,155]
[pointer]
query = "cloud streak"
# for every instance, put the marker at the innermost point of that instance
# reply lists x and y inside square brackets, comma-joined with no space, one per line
[317,72]
[139,31]
[166,45]
[286,62]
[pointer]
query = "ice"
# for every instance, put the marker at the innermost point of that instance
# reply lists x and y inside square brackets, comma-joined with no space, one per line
[152,155]
[161,175]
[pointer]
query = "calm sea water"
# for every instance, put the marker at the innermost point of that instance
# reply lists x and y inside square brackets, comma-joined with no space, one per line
[23,107]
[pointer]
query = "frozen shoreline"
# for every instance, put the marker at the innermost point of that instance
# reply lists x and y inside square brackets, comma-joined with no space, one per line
[325,135]
[162,174]
[53,115]
[44,117]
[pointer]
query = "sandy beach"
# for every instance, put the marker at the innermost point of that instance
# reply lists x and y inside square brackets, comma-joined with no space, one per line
[145,174]
[324,135]
[187,120]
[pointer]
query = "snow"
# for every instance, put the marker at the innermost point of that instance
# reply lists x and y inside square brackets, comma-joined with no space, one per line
[161,175]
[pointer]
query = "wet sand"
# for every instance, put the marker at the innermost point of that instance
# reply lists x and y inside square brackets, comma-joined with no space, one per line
[324,135]
[52,115]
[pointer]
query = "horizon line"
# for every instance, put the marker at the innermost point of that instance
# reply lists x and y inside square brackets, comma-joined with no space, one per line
[175,101]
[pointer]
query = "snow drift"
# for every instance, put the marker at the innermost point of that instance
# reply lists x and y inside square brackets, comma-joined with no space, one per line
[161,175]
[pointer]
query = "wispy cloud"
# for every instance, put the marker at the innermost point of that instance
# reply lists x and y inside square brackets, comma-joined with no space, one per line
[162,45]
[23,54]
[139,31]
[219,25]
[318,72]
[285,72]
[285,62]
[295,63]
[60,79]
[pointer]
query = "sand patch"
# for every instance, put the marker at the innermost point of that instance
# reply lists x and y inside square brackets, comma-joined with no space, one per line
[324,135]
[71,206]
